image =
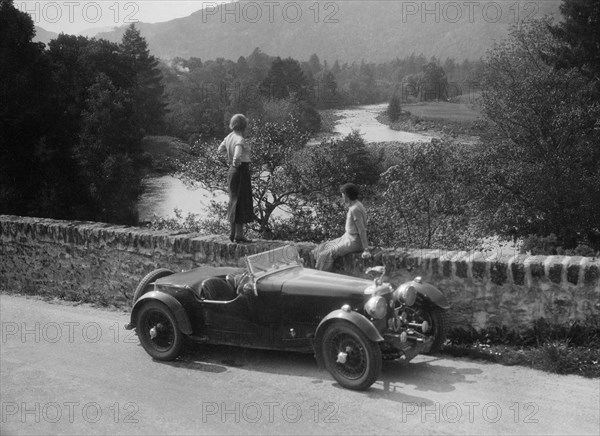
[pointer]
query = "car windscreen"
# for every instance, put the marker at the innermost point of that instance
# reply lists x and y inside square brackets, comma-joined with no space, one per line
[273,259]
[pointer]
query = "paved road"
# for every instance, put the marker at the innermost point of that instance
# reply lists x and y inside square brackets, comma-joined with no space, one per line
[75,370]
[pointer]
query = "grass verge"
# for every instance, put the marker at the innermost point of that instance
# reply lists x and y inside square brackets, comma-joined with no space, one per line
[573,349]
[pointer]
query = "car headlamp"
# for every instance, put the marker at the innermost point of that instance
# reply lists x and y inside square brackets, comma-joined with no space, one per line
[406,294]
[376,307]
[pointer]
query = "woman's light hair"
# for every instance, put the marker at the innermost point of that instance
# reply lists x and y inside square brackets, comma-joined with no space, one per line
[238,122]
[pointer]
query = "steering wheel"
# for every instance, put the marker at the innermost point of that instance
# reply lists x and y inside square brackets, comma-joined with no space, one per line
[240,281]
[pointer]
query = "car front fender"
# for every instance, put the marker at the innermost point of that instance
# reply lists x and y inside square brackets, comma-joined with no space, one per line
[432,295]
[183,321]
[341,315]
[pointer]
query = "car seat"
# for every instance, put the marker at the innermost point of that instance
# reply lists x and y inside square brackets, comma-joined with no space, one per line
[216,288]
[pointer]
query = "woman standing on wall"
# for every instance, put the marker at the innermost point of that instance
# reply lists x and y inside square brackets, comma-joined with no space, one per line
[239,210]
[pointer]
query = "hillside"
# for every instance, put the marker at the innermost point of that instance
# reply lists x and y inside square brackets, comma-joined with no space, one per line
[344,30]
[43,35]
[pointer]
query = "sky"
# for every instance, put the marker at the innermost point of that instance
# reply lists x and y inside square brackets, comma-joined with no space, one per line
[74,16]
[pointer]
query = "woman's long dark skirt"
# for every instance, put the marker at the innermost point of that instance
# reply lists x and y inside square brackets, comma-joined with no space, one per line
[240,208]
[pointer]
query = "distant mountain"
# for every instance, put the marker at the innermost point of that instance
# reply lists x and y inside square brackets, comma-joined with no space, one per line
[43,35]
[91,33]
[340,30]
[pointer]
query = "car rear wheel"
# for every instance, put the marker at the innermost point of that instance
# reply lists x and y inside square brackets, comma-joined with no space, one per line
[351,358]
[151,277]
[157,329]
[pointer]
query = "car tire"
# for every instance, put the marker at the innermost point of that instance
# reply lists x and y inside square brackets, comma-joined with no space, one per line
[157,329]
[361,364]
[150,278]
[437,318]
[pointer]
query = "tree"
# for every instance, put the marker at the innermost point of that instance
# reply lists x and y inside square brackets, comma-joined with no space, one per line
[327,92]
[285,79]
[314,64]
[423,203]
[146,81]
[97,128]
[394,108]
[109,153]
[539,172]
[320,169]
[411,86]
[26,158]
[580,33]
[362,88]
[301,180]
[69,124]
[434,84]
[274,181]
[336,69]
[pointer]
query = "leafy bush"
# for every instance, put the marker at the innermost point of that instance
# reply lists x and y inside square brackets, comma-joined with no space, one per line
[542,331]
[424,198]
[192,223]
[551,245]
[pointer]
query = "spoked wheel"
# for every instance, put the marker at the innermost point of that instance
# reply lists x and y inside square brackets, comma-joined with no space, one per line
[157,329]
[351,358]
[149,278]
[437,322]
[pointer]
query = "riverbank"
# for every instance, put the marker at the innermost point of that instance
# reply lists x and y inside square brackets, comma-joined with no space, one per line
[162,152]
[436,119]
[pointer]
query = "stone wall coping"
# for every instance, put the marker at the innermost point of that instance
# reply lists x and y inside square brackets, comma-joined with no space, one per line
[554,267]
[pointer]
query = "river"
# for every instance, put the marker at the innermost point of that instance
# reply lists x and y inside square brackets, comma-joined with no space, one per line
[164,194]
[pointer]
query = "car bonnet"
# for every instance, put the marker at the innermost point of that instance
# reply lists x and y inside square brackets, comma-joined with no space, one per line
[314,282]
[193,279]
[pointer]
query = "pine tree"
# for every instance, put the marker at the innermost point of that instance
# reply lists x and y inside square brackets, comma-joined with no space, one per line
[108,153]
[327,90]
[394,108]
[580,32]
[25,81]
[286,79]
[314,64]
[146,81]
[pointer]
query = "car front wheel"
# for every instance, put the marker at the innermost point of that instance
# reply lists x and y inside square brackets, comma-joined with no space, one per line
[437,321]
[157,329]
[351,358]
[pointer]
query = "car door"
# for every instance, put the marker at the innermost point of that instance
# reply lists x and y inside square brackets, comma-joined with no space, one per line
[230,322]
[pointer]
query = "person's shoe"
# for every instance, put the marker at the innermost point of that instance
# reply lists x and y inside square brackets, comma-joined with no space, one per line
[242,240]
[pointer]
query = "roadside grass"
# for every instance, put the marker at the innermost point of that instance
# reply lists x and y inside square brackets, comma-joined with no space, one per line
[573,349]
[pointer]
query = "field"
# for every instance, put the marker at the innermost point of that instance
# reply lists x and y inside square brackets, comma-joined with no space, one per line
[443,111]
[459,117]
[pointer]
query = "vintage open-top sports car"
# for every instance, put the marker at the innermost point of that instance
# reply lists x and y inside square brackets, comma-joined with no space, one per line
[350,324]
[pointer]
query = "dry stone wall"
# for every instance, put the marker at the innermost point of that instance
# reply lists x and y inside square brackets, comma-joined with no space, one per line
[103,263]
